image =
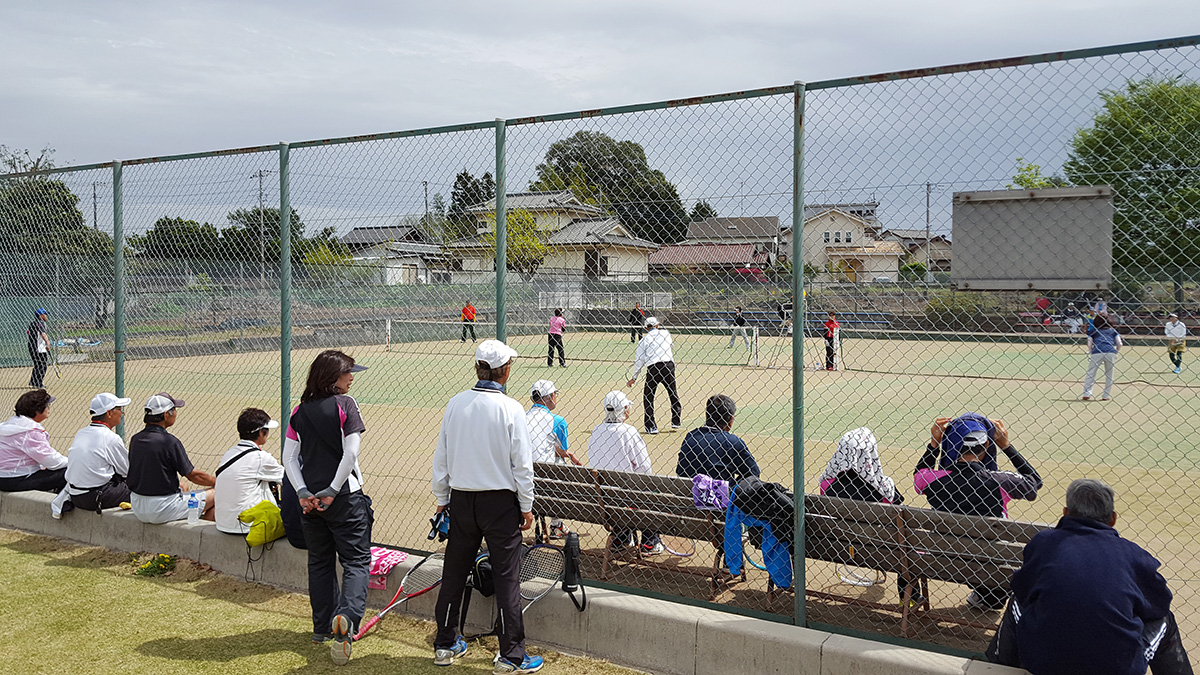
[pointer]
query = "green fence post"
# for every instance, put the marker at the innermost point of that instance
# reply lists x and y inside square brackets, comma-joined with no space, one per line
[501,236]
[285,290]
[118,290]
[799,321]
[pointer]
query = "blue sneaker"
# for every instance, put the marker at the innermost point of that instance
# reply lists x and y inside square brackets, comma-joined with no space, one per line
[530,664]
[445,657]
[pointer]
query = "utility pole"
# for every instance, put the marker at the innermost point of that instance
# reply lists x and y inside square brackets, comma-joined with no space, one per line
[928,256]
[425,184]
[95,225]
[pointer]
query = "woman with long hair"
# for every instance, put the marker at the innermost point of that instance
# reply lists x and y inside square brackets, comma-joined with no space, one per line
[320,454]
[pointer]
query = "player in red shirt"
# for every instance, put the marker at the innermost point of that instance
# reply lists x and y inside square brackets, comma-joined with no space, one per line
[831,335]
[468,321]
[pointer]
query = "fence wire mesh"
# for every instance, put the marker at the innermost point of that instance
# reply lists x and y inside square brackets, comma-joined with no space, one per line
[967,237]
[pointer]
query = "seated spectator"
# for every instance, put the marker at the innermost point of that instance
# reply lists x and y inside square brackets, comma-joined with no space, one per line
[1087,601]
[246,472]
[98,463]
[712,450]
[156,462]
[856,472]
[617,446]
[967,486]
[27,460]
[548,434]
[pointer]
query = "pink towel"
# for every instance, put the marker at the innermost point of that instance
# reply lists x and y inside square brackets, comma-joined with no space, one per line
[382,562]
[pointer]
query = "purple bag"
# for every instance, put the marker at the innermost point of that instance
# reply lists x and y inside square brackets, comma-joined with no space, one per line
[709,494]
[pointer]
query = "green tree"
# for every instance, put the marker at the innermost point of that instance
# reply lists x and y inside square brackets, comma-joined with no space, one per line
[1029,177]
[550,180]
[702,211]
[1145,143]
[468,191]
[641,197]
[253,233]
[525,250]
[913,271]
[176,238]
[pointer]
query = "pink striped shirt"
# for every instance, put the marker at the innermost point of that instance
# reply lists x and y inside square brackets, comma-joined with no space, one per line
[557,323]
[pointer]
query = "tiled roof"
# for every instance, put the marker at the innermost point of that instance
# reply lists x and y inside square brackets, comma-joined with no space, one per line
[709,254]
[593,230]
[370,236]
[560,200]
[753,227]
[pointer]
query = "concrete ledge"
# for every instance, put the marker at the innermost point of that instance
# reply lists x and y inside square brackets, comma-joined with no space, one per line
[653,635]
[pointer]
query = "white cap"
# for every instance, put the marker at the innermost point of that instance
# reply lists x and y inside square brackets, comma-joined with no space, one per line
[542,389]
[271,424]
[651,322]
[616,400]
[494,352]
[975,439]
[1172,315]
[162,402]
[105,402]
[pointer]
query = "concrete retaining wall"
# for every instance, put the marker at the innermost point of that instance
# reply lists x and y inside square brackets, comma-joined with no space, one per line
[653,635]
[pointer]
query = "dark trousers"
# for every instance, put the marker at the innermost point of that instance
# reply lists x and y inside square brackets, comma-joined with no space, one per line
[492,516]
[555,342]
[340,533]
[1169,659]
[40,362]
[829,353]
[635,333]
[468,326]
[107,496]
[664,373]
[1176,358]
[46,480]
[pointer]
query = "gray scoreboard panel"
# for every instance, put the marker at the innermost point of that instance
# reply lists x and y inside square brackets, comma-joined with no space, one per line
[1058,239]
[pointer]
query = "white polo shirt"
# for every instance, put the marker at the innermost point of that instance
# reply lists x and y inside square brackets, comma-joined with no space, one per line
[97,454]
[243,484]
[1176,331]
[616,446]
[483,445]
[655,347]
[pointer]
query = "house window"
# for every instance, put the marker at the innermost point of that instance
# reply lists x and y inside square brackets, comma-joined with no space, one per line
[848,236]
[826,236]
[595,266]
[837,237]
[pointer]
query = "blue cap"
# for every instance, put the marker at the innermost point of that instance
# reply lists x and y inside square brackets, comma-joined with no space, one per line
[40,311]
[956,434]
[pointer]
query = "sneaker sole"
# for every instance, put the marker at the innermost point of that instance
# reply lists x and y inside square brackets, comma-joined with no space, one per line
[339,651]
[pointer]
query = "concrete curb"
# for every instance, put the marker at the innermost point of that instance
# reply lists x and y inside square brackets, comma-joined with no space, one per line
[644,633]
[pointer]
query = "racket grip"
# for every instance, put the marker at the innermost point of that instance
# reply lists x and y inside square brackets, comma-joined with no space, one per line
[366,627]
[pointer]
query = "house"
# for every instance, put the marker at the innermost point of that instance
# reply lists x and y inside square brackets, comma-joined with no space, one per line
[844,244]
[760,230]
[700,258]
[913,241]
[400,253]
[583,240]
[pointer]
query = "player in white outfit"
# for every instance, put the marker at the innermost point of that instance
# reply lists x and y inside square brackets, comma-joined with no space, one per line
[1176,334]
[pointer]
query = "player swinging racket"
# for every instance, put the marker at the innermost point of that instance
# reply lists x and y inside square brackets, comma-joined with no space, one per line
[654,352]
[483,471]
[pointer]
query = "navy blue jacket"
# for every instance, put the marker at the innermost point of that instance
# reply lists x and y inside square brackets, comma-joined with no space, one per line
[715,453]
[1084,594]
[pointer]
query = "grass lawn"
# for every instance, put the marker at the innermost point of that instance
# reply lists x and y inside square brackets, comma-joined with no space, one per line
[77,609]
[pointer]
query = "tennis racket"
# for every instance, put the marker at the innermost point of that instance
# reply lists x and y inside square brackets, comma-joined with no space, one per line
[542,567]
[681,547]
[752,555]
[425,576]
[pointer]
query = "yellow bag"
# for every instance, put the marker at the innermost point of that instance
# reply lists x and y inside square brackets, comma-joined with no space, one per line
[265,521]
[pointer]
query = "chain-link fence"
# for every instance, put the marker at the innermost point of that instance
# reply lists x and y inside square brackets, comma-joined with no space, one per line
[973,239]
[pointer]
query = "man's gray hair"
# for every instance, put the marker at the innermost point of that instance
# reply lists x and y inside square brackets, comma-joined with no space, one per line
[1091,499]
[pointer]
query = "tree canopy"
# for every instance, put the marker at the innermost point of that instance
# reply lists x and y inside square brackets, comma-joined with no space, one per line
[702,211]
[524,248]
[1145,143]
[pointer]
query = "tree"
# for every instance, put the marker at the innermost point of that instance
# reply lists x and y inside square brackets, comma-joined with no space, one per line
[1029,177]
[176,238]
[468,191]
[22,161]
[913,271]
[254,233]
[702,211]
[1145,143]
[550,180]
[641,197]
[525,251]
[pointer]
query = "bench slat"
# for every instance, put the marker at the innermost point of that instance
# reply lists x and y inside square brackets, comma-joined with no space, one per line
[564,472]
[924,519]
[653,501]
[889,558]
[930,543]
[568,509]
[645,482]
[562,490]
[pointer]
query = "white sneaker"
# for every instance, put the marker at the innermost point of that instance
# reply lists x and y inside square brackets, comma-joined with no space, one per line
[343,640]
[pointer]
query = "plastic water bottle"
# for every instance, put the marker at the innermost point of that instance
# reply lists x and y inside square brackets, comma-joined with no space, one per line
[193,507]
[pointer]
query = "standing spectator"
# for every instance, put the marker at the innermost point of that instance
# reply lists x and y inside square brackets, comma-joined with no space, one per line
[555,339]
[637,317]
[483,472]
[97,462]
[739,324]
[1176,334]
[27,460]
[1087,601]
[617,446]
[548,435]
[654,352]
[38,344]
[831,339]
[1072,319]
[246,471]
[156,462]
[1100,305]
[712,449]
[468,321]
[320,456]
[1103,345]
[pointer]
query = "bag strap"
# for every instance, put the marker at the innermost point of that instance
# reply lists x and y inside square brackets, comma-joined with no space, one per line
[228,464]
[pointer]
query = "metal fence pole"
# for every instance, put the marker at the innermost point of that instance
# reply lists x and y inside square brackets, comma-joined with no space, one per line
[118,290]
[501,236]
[799,321]
[285,289]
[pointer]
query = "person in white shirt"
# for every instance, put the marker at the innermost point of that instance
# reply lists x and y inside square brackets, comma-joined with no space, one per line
[617,446]
[27,460]
[483,472]
[246,472]
[654,352]
[548,434]
[1176,334]
[98,462]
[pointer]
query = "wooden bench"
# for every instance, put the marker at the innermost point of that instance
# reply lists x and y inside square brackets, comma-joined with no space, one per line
[918,544]
[620,500]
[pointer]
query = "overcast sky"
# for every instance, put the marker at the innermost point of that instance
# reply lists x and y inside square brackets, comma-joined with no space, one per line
[105,80]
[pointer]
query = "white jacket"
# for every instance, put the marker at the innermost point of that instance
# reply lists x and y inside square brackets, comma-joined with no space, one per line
[25,449]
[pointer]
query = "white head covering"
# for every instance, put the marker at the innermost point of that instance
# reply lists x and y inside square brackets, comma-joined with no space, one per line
[615,404]
[858,451]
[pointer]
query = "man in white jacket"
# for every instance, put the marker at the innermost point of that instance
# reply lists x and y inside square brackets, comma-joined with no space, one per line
[246,472]
[27,460]
[98,462]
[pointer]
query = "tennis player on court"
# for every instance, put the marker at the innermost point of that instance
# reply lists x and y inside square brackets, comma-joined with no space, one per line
[483,471]
[654,352]
[1176,334]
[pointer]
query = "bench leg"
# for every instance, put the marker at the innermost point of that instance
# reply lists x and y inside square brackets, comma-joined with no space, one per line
[607,557]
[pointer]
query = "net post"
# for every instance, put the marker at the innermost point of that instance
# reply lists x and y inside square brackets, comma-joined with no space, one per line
[118,289]
[755,328]
[285,288]
[798,578]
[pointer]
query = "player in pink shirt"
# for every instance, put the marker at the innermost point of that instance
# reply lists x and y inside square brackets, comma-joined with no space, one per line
[554,339]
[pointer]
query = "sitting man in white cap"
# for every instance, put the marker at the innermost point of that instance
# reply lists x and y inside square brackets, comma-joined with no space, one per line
[617,446]
[246,472]
[98,463]
[548,433]
[156,462]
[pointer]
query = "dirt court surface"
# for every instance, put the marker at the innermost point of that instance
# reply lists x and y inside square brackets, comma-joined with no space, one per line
[1143,442]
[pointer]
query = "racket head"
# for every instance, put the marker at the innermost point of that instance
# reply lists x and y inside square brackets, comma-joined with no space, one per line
[681,547]
[422,577]
[542,568]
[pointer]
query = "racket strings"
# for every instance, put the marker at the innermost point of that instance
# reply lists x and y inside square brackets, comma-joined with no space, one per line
[541,568]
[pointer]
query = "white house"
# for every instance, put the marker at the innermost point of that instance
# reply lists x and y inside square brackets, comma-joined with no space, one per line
[399,253]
